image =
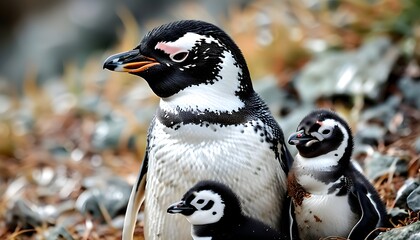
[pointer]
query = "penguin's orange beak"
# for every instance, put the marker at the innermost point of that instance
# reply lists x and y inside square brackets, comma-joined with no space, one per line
[130,61]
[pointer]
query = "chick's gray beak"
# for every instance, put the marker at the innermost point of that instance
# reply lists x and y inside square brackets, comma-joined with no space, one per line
[181,207]
[130,61]
[300,138]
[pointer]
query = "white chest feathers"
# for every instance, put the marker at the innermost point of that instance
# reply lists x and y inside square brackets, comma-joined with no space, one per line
[189,150]
[324,215]
[238,156]
[321,212]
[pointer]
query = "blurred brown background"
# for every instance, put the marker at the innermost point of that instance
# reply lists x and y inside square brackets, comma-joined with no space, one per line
[73,135]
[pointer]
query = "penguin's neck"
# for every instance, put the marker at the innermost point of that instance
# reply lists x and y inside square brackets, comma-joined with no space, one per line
[202,232]
[218,95]
[316,176]
[240,111]
[218,229]
[305,166]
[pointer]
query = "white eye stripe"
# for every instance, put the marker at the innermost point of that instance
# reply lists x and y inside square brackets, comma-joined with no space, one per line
[185,43]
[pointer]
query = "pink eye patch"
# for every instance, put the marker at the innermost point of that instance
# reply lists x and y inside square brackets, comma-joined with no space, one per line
[167,48]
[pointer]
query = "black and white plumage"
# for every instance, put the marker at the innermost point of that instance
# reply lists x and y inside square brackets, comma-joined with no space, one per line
[330,196]
[215,213]
[210,124]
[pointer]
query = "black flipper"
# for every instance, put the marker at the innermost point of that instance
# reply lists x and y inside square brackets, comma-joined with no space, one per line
[137,194]
[135,201]
[373,213]
[288,158]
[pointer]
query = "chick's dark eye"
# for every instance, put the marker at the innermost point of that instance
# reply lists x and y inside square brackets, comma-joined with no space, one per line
[179,57]
[326,131]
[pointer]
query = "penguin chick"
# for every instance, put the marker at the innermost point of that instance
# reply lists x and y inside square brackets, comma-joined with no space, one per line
[329,196]
[215,213]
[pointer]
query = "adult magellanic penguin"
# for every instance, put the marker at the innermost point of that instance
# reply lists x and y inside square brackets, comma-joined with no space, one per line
[210,124]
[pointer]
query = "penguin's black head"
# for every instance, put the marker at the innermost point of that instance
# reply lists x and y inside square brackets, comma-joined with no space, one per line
[323,132]
[183,54]
[208,202]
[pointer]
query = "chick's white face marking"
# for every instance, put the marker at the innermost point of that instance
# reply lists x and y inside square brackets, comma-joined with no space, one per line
[210,208]
[219,96]
[324,132]
[330,159]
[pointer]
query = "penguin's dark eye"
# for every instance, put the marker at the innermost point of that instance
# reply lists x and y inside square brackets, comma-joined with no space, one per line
[326,131]
[179,56]
[200,201]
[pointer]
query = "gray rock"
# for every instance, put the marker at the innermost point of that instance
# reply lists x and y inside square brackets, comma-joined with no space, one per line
[377,165]
[104,200]
[415,236]
[369,134]
[362,72]
[398,213]
[406,189]
[51,212]
[413,200]
[410,89]
[108,132]
[382,113]
[58,232]
[24,215]
[378,123]
[410,232]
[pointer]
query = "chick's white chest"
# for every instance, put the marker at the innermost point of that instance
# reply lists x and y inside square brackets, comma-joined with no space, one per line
[322,214]
[238,156]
